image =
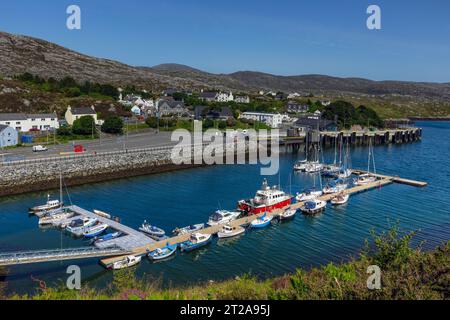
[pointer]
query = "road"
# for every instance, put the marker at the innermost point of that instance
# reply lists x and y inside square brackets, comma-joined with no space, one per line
[132,141]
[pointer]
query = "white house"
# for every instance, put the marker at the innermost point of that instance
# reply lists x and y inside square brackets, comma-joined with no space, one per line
[8,136]
[30,122]
[136,110]
[242,99]
[225,97]
[73,114]
[271,119]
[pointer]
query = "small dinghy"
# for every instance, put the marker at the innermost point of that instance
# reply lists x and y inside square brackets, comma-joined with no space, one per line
[129,261]
[340,199]
[229,231]
[313,207]
[106,237]
[152,230]
[287,214]
[196,241]
[163,253]
[188,229]
[261,222]
[95,230]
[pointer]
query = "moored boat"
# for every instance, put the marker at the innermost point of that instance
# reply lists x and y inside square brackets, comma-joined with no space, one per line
[152,230]
[261,222]
[56,218]
[266,199]
[313,207]
[340,199]
[314,167]
[309,194]
[229,231]
[196,241]
[301,165]
[49,205]
[335,186]
[222,217]
[95,230]
[106,237]
[162,253]
[77,226]
[188,229]
[127,262]
[364,179]
[287,214]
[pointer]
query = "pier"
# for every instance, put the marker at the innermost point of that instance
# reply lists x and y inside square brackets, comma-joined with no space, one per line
[382,180]
[133,242]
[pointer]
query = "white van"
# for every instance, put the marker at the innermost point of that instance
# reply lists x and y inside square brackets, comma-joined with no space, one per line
[39,148]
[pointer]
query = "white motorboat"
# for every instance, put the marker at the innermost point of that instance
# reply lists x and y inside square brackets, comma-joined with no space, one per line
[309,194]
[49,205]
[188,229]
[223,217]
[77,226]
[127,262]
[152,230]
[287,214]
[229,231]
[95,230]
[313,207]
[340,199]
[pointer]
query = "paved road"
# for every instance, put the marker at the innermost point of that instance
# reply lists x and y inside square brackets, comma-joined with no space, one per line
[133,141]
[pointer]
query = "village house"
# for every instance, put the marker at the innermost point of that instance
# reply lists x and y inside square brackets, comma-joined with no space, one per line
[225,97]
[208,96]
[205,112]
[170,107]
[271,119]
[242,99]
[30,122]
[314,122]
[73,114]
[9,136]
[294,107]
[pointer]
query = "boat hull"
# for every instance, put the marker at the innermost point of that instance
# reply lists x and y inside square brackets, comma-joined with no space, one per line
[224,235]
[194,246]
[167,252]
[246,207]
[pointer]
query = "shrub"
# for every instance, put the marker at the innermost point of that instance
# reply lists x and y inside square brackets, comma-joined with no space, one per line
[113,124]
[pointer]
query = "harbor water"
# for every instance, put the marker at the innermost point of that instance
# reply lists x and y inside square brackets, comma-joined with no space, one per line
[178,199]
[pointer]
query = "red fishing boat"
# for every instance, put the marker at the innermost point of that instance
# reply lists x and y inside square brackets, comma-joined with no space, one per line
[265,200]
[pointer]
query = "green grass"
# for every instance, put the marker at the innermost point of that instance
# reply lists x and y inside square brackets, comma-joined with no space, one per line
[407,273]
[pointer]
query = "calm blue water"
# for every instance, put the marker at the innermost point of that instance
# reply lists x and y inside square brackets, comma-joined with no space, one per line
[187,197]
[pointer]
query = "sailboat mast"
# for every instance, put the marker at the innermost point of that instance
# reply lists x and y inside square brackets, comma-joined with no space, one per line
[60,189]
[370,155]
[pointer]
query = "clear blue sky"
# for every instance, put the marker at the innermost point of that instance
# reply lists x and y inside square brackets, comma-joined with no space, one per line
[281,37]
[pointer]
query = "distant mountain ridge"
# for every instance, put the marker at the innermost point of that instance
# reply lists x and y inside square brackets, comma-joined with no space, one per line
[19,54]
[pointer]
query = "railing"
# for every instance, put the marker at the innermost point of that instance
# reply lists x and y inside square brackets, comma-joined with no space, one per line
[24,257]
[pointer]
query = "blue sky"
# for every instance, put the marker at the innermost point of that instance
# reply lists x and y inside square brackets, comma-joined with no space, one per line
[282,37]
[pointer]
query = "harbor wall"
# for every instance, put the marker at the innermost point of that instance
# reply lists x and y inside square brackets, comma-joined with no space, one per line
[43,174]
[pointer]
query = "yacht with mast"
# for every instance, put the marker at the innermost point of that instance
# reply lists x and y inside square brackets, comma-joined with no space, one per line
[367,177]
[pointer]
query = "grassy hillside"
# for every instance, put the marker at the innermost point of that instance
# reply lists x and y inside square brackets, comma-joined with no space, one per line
[406,273]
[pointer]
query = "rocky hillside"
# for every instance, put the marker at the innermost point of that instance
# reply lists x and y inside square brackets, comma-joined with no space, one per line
[19,54]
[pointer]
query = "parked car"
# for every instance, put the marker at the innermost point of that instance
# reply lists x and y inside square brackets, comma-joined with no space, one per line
[39,148]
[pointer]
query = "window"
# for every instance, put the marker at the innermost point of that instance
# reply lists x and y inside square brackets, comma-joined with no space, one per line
[8,123]
[42,119]
[18,122]
[33,119]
